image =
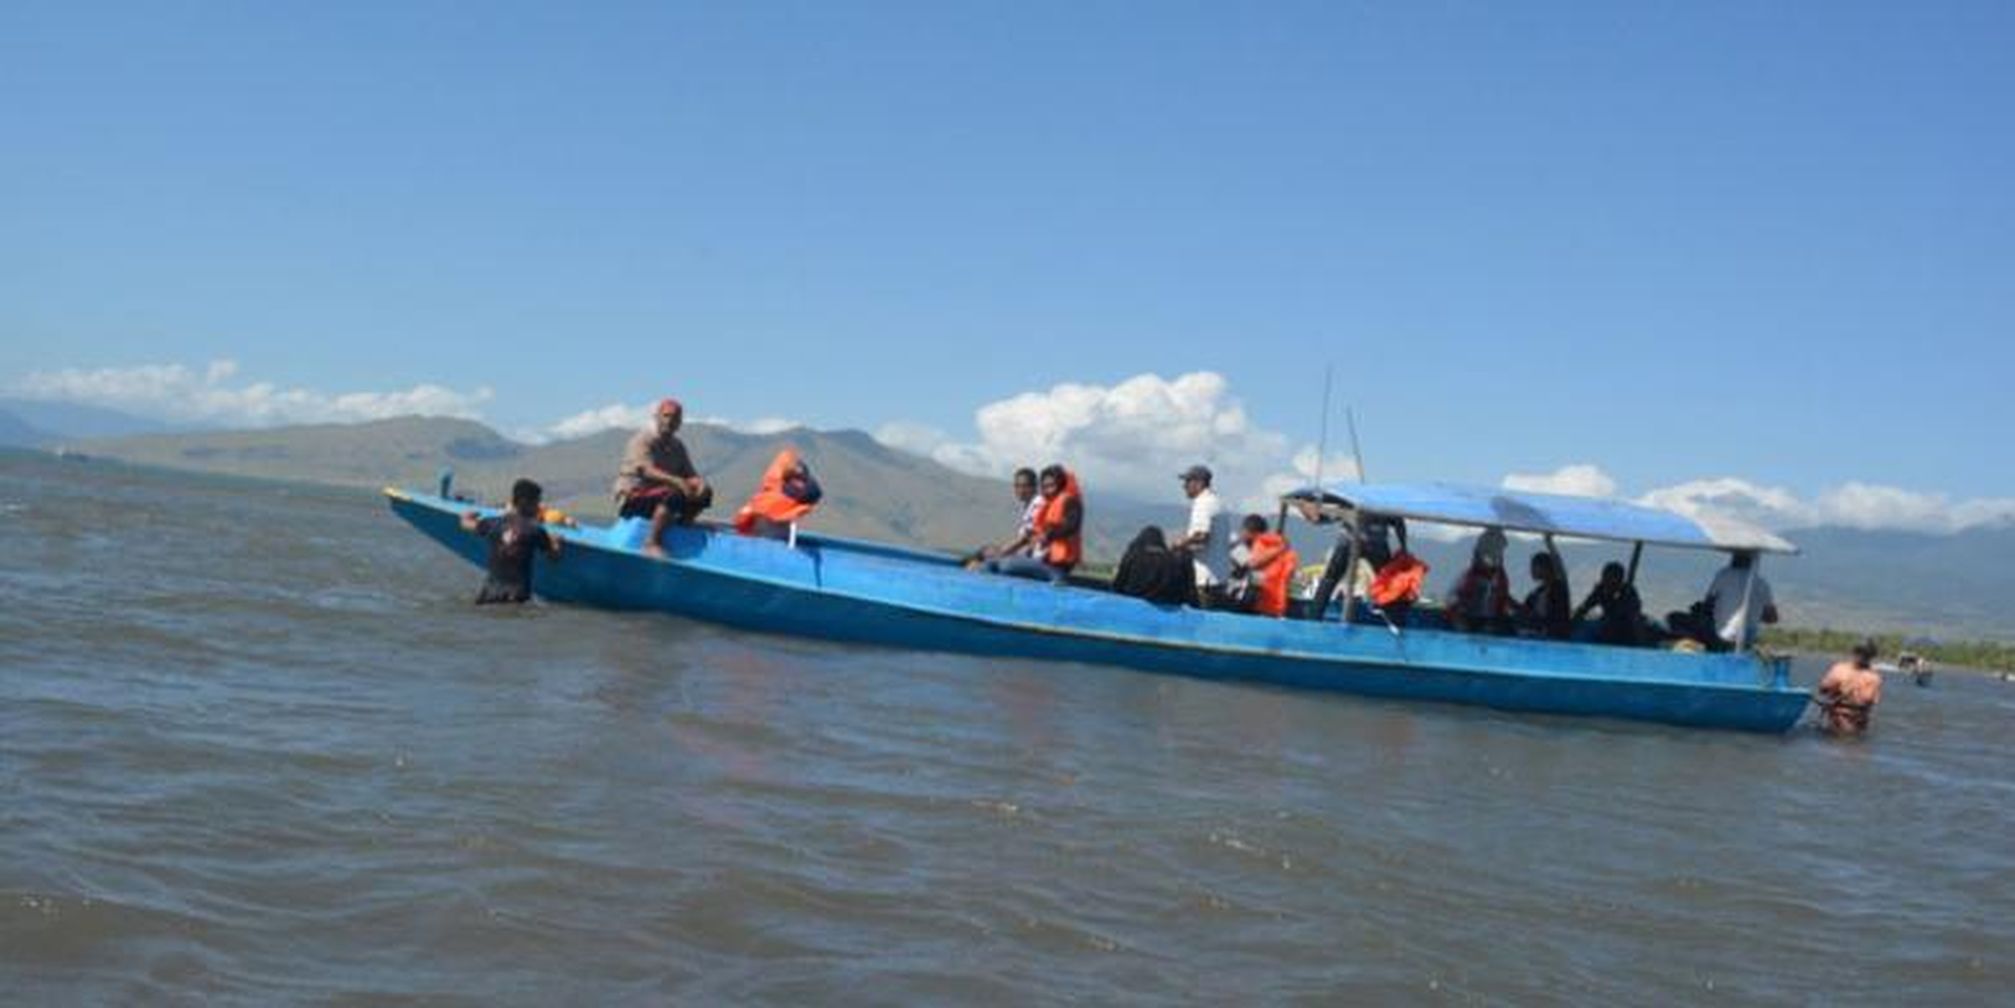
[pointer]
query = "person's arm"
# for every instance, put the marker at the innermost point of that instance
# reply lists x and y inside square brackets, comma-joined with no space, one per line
[1015,545]
[1828,690]
[1195,537]
[471,522]
[1594,599]
[552,544]
[1261,559]
[641,465]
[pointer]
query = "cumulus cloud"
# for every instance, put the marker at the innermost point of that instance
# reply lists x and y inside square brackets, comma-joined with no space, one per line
[1732,505]
[1134,436]
[1580,480]
[1873,506]
[216,394]
[629,416]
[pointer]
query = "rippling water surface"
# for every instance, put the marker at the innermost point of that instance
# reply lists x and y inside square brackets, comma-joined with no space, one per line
[256,746]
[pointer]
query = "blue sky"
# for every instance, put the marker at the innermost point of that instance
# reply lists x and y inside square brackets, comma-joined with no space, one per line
[1772,241]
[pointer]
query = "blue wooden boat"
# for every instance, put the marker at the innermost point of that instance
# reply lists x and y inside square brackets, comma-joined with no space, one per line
[847,590]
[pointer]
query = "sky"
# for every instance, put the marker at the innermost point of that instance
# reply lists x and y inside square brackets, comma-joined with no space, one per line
[1762,254]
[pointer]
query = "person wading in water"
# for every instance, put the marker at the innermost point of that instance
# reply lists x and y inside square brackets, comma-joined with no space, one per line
[1848,693]
[514,537]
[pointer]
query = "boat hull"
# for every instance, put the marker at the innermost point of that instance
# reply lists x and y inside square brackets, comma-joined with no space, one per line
[867,593]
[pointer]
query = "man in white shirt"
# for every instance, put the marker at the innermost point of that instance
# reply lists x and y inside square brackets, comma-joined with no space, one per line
[1736,603]
[1209,534]
[1741,599]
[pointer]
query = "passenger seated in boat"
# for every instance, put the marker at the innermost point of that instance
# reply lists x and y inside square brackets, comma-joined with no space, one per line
[1622,612]
[1397,585]
[1737,601]
[1150,570]
[1374,552]
[788,493]
[1547,609]
[1848,693]
[514,537]
[1480,602]
[1266,568]
[1058,544]
[1022,543]
[657,478]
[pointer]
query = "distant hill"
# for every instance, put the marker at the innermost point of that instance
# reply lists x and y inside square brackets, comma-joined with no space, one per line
[1959,585]
[71,421]
[16,432]
[873,491]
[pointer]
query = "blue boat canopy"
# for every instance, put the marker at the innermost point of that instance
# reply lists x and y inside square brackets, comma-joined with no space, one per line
[1545,513]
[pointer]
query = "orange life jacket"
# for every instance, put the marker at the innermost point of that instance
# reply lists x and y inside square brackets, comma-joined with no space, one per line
[1399,581]
[1065,551]
[1274,561]
[770,501]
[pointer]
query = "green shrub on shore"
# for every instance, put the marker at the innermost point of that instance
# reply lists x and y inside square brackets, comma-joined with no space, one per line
[1992,655]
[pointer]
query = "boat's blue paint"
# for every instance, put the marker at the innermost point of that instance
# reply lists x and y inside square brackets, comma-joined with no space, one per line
[1546,513]
[844,590]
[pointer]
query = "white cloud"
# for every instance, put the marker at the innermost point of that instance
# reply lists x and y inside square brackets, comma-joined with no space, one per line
[1736,505]
[627,416]
[594,421]
[1132,438]
[213,395]
[1872,506]
[1581,480]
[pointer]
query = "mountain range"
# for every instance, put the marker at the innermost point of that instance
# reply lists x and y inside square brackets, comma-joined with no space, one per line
[1955,585]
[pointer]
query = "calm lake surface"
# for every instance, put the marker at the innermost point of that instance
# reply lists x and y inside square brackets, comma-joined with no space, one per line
[256,746]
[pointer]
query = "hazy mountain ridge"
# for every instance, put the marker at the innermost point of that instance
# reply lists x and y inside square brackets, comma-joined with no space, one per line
[1943,585]
[16,432]
[56,421]
[872,490]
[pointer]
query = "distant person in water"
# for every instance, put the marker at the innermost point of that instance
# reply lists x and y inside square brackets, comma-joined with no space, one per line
[657,479]
[1848,693]
[514,536]
[1622,611]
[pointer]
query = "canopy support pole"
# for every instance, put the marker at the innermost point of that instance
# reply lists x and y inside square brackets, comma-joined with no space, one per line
[1636,554]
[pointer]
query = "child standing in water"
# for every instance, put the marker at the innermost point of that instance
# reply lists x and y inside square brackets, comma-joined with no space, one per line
[513,536]
[1848,693]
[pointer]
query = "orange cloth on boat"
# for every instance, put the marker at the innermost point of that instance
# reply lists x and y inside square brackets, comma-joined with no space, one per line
[1062,551]
[1273,562]
[772,501]
[1399,581]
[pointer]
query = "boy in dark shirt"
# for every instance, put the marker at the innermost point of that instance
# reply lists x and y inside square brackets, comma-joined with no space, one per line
[513,536]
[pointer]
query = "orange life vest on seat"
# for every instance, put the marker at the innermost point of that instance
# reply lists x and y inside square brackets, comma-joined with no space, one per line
[770,501]
[1399,581]
[1274,562]
[1064,552]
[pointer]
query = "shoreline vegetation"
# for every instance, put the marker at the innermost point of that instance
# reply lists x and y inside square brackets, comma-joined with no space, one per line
[1979,655]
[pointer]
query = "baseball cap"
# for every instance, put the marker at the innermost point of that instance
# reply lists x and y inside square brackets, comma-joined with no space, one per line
[1195,472]
[669,405]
